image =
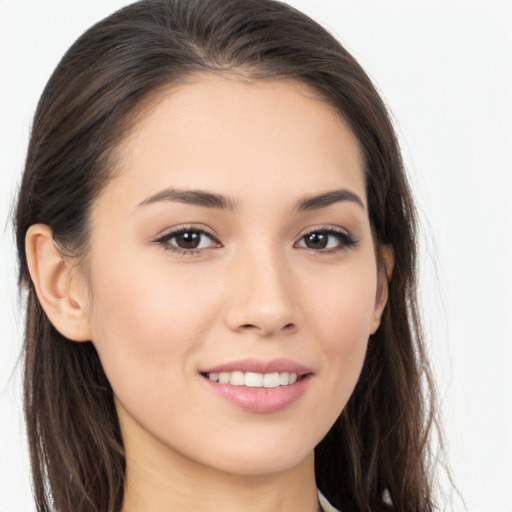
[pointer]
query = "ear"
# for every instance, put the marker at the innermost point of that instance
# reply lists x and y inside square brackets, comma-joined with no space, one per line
[385,270]
[60,293]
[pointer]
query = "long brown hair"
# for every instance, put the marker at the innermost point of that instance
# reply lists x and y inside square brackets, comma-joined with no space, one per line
[376,457]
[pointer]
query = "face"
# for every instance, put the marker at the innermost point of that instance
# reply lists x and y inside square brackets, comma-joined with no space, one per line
[232,275]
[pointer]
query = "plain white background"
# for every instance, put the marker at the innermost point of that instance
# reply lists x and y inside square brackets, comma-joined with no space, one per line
[445,69]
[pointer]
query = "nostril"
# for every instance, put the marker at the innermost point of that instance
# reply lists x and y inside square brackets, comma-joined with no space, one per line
[266,330]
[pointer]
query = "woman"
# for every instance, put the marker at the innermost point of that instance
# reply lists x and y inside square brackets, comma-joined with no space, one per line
[218,242]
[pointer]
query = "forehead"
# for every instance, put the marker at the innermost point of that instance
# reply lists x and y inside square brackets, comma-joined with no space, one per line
[222,132]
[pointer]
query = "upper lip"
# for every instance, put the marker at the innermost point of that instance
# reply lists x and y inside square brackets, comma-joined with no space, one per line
[261,366]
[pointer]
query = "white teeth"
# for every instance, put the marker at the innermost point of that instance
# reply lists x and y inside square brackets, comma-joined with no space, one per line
[271,380]
[237,379]
[224,377]
[254,380]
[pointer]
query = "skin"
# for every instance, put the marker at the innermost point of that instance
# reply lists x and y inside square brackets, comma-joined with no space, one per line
[254,289]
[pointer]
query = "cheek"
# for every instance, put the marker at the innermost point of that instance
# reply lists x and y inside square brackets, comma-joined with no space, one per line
[344,305]
[343,315]
[145,326]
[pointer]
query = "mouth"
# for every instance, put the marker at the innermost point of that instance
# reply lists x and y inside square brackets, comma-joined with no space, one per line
[259,386]
[254,379]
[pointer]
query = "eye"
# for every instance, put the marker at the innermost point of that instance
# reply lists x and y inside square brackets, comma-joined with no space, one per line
[327,240]
[187,240]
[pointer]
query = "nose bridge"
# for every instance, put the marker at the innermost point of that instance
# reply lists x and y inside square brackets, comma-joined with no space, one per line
[262,296]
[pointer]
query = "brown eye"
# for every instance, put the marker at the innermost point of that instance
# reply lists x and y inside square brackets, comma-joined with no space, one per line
[187,240]
[327,240]
[316,240]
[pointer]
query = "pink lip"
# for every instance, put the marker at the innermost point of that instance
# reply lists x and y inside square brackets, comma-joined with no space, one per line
[261,400]
[260,366]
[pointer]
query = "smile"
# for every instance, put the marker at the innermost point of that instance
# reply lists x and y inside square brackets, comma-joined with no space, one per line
[259,386]
[253,379]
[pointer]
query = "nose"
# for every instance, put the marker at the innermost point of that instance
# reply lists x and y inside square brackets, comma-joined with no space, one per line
[262,297]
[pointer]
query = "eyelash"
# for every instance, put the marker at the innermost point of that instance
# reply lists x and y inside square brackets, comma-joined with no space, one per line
[164,240]
[345,240]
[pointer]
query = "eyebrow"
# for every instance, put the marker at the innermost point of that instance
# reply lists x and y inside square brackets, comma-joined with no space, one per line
[193,197]
[324,200]
[218,201]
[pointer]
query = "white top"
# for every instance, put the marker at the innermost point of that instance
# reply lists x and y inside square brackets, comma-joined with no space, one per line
[324,504]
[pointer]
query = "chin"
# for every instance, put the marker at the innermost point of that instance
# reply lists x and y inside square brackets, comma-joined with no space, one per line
[263,457]
[260,466]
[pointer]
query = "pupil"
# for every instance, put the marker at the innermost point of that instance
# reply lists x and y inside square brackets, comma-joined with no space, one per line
[316,240]
[188,240]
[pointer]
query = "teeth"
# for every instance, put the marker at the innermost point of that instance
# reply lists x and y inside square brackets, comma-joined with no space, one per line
[237,379]
[224,377]
[271,380]
[254,380]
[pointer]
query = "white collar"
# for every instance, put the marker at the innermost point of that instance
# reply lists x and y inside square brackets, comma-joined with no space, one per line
[324,504]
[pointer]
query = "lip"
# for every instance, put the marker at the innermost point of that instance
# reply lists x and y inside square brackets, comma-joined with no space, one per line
[260,400]
[261,366]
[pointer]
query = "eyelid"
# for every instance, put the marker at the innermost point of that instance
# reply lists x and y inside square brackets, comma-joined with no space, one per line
[170,233]
[345,239]
[327,228]
[348,239]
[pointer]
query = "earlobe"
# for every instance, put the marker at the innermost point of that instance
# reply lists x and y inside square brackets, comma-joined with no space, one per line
[58,291]
[385,271]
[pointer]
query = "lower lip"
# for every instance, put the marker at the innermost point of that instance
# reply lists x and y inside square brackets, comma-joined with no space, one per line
[260,400]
